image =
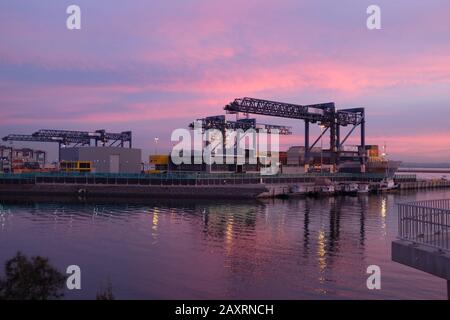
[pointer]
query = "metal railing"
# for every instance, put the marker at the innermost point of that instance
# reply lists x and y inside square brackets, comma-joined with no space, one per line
[425,222]
[405,178]
[182,178]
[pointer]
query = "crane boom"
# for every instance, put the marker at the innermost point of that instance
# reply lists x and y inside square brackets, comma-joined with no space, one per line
[315,112]
[219,122]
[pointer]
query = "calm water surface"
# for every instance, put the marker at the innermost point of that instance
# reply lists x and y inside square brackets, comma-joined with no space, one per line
[277,249]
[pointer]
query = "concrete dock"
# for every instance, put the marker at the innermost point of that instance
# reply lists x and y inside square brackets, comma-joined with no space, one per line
[424,238]
[139,191]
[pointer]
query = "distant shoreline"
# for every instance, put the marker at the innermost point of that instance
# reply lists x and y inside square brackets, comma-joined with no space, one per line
[406,165]
[423,170]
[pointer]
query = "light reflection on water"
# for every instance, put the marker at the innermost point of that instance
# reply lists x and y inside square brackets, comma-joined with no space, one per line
[292,249]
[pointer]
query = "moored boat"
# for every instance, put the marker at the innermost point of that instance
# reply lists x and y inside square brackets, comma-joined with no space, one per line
[387,184]
[349,188]
[363,188]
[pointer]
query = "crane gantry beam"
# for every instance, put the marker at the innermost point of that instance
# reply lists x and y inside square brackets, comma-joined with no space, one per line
[34,138]
[80,137]
[312,113]
[321,112]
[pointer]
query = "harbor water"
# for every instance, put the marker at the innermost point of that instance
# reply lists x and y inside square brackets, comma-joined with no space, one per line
[305,248]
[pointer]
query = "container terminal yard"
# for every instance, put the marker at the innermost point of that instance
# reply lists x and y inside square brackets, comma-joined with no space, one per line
[104,164]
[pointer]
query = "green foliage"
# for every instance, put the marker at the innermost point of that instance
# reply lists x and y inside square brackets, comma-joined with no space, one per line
[106,294]
[31,279]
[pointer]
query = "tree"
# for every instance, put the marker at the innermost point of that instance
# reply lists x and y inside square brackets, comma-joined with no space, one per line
[106,294]
[31,279]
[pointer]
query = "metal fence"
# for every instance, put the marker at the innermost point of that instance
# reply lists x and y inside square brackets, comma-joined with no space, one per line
[425,222]
[405,178]
[182,178]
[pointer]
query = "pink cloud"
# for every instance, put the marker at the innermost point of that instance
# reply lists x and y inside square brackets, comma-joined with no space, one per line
[210,53]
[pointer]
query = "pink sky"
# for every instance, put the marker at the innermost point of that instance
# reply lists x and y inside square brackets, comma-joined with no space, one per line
[152,67]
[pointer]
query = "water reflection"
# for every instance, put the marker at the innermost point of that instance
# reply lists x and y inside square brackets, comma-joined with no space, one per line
[309,247]
[155,224]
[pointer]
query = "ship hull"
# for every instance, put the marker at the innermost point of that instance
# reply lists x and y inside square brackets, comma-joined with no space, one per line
[389,168]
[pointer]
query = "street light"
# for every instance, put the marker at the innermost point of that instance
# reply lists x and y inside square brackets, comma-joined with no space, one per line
[384,156]
[156,145]
[322,127]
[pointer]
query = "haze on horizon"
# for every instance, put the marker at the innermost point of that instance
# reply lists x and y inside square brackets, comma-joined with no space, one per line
[152,67]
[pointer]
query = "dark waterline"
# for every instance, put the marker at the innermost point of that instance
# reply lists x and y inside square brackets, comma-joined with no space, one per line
[276,249]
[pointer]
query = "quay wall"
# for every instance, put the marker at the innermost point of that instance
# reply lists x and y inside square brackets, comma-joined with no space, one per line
[186,186]
[424,184]
[135,191]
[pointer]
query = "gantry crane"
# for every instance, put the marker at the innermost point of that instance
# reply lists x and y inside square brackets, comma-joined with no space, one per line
[75,138]
[221,124]
[325,114]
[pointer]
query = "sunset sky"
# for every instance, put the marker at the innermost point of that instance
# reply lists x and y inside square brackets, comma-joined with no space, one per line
[154,66]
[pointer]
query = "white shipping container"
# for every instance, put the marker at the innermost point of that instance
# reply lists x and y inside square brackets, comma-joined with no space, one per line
[350,148]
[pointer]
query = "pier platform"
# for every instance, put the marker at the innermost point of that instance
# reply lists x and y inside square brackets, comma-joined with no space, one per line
[424,237]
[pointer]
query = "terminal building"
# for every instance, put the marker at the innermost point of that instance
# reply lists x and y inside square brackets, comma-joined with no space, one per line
[96,151]
[105,159]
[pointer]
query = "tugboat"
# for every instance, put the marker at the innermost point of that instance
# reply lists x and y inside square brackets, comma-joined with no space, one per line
[387,184]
